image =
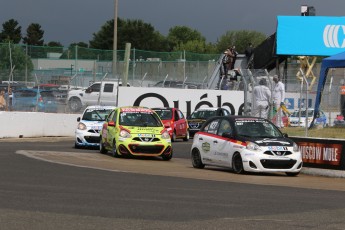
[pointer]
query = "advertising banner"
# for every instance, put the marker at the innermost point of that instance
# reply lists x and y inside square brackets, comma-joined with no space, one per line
[325,153]
[310,35]
[187,100]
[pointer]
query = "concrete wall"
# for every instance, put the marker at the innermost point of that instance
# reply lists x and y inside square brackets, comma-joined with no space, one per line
[52,63]
[35,124]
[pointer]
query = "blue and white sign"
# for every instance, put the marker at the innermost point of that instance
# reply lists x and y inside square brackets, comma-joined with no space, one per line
[289,103]
[310,35]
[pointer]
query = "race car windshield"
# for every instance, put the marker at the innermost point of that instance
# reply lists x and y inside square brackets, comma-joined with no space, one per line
[96,115]
[257,129]
[303,113]
[202,114]
[139,119]
[164,114]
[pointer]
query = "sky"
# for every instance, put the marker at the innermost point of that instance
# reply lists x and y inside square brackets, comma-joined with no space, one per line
[72,21]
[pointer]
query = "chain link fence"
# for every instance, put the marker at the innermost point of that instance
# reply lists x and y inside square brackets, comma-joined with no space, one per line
[79,67]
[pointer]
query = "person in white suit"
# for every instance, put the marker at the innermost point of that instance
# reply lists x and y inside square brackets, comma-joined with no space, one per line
[278,96]
[262,95]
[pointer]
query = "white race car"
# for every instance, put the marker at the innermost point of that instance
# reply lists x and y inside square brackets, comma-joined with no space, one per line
[90,124]
[298,118]
[245,144]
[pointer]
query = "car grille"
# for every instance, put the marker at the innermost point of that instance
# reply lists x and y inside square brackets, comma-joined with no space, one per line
[194,125]
[154,149]
[278,164]
[92,139]
[93,131]
[146,139]
[295,122]
[278,153]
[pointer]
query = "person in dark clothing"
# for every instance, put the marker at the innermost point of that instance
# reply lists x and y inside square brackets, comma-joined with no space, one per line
[225,63]
[224,68]
[234,54]
[249,51]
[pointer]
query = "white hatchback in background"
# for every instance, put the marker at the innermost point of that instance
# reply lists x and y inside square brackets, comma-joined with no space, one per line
[90,124]
[298,119]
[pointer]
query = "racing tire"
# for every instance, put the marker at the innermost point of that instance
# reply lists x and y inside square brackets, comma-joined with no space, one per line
[74,104]
[76,146]
[292,174]
[196,159]
[173,138]
[114,152]
[186,138]
[102,148]
[167,157]
[237,164]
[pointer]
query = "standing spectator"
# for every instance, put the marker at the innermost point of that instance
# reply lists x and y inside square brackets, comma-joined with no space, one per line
[262,95]
[278,99]
[2,100]
[224,69]
[249,52]
[225,63]
[234,54]
[8,98]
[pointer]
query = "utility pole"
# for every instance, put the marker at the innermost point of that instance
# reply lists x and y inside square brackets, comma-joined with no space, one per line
[115,39]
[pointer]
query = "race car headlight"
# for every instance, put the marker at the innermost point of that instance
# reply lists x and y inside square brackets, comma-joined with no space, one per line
[81,126]
[165,135]
[295,147]
[253,146]
[124,134]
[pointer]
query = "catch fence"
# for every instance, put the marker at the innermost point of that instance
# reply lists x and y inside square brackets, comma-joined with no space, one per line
[78,67]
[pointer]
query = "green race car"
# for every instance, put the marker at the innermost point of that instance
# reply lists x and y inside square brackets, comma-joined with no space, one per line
[135,131]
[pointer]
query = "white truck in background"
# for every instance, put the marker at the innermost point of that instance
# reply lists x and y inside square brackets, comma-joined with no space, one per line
[99,93]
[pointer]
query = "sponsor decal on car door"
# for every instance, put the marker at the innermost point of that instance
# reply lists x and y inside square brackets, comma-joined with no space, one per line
[220,149]
[205,142]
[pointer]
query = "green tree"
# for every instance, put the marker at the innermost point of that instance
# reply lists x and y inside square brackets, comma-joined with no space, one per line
[34,35]
[54,44]
[197,46]
[103,39]
[141,36]
[20,61]
[240,39]
[178,36]
[54,47]
[11,31]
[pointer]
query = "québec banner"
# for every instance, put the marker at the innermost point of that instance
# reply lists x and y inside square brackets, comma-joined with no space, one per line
[310,35]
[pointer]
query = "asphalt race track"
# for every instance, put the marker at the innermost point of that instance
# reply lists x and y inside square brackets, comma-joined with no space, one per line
[47,184]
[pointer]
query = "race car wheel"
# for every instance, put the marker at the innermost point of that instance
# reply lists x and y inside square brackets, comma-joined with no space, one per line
[196,159]
[173,138]
[76,146]
[114,152]
[292,173]
[74,104]
[186,138]
[167,157]
[101,147]
[237,164]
